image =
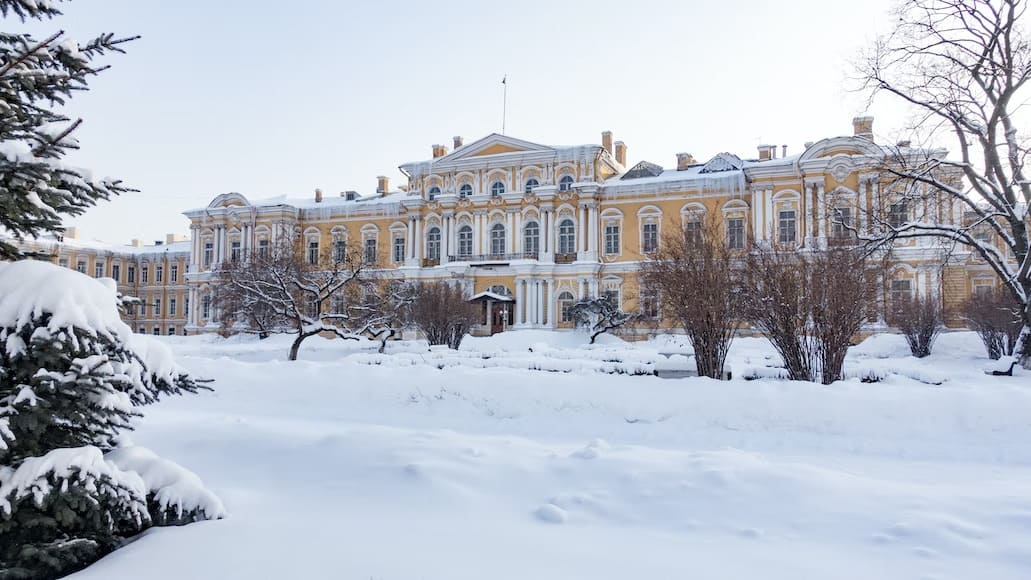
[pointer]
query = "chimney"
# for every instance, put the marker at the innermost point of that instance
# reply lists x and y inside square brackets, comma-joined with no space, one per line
[383,184]
[765,152]
[439,151]
[71,233]
[620,153]
[863,127]
[136,243]
[458,141]
[606,141]
[170,239]
[318,195]
[684,161]
[783,150]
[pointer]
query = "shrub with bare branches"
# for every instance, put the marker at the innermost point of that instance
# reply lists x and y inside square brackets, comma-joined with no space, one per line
[920,320]
[810,305]
[442,311]
[696,276]
[996,318]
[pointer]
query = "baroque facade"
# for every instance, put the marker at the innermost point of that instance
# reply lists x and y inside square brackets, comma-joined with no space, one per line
[529,228]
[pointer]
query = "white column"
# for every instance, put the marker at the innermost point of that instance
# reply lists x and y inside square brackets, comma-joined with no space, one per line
[821,209]
[518,301]
[551,233]
[445,239]
[517,233]
[550,301]
[757,207]
[510,243]
[583,287]
[592,230]
[538,303]
[768,234]
[582,234]
[418,240]
[876,210]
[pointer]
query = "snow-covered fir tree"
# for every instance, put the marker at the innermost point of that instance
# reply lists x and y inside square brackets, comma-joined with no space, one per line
[37,77]
[72,376]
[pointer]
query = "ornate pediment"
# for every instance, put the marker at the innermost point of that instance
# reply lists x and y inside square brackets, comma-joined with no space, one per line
[493,144]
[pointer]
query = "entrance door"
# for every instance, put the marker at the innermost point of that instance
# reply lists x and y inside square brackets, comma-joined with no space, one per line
[498,317]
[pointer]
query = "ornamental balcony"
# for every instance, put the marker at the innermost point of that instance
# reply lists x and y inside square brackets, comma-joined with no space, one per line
[492,258]
[565,258]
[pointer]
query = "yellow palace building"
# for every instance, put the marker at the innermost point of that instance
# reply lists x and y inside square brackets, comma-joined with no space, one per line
[530,228]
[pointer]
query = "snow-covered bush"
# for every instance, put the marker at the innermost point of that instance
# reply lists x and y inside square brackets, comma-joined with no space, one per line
[72,376]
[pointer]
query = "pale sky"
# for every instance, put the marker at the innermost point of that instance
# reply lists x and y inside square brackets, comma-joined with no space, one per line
[270,98]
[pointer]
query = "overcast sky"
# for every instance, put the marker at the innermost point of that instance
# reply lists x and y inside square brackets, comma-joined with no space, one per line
[270,98]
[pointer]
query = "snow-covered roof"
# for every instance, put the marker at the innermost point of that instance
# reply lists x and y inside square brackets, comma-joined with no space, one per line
[98,245]
[488,295]
[327,201]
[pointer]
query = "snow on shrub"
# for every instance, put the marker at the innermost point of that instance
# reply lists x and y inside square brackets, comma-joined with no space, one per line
[175,494]
[72,376]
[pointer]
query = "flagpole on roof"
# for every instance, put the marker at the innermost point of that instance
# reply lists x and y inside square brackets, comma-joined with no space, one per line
[504,102]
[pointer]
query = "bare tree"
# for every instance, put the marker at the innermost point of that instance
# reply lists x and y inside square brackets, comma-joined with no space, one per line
[963,65]
[382,311]
[696,274]
[995,317]
[442,311]
[284,291]
[809,304]
[919,319]
[599,315]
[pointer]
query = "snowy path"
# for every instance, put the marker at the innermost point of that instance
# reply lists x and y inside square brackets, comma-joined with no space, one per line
[344,470]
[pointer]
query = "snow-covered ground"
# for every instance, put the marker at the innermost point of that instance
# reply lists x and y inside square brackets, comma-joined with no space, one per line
[497,462]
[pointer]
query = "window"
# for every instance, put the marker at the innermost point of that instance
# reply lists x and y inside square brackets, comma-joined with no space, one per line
[63,262]
[157,307]
[566,237]
[736,233]
[612,238]
[433,244]
[159,273]
[497,240]
[98,270]
[313,251]
[208,251]
[434,192]
[171,307]
[650,238]
[565,305]
[901,290]
[531,184]
[205,307]
[186,306]
[234,250]
[649,303]
[339,251]
[465,241]
[116,272]
[336,303]
[399,248]
[531,238]
[693,231]
[131,274]
[263,248]
[174,273]
[842,223]
[370,250]
[983,290]
[612,295]
[171,331]
[80,266]
[898,214]
[142,330]
[156,331]
[566,183]
[497,188]
[312,307]
[465,190]
[786,226]
[145,274]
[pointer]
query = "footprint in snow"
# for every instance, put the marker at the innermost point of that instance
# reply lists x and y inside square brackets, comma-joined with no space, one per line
[551,514]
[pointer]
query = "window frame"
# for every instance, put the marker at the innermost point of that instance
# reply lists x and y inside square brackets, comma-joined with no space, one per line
[566,239]
[497,188]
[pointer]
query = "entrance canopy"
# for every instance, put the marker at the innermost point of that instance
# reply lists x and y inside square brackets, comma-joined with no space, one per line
[488,295]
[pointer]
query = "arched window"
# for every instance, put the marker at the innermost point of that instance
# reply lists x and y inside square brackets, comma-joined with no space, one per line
[434,192]
[465,191]
[565,183]
[497,188]
[433,244]
[531,184]
[497,240]
[565,303]
[566,237]
[531,238]
[465,241]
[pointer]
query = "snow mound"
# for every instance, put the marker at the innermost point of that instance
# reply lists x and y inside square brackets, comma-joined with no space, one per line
[551,514]
[29,288]
[175,490]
